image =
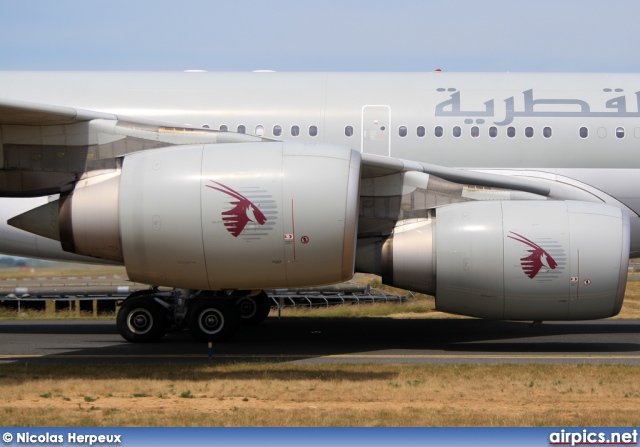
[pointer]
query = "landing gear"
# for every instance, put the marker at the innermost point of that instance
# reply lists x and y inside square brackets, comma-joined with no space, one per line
[212,319]
[141,319]
[147,315]
[254,309]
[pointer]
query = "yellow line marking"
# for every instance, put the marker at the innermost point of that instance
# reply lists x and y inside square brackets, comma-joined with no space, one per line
[480,356]
[331,356]
[20,356]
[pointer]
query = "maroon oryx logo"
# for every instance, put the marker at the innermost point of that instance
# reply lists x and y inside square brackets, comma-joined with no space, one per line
[241,214]
[536,260]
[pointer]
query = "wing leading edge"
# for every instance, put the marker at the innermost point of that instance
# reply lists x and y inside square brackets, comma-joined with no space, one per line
[13,112]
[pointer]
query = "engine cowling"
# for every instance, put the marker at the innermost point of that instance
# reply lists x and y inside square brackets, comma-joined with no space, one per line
[510,259]
[225,216]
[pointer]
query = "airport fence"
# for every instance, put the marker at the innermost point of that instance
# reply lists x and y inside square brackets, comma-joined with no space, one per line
[104,298]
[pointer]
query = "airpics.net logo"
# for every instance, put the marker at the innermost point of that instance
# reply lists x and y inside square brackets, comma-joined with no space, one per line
[592,437]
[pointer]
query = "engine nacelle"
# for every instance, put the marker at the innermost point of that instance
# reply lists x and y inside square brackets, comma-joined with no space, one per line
[225,216]
[510,260]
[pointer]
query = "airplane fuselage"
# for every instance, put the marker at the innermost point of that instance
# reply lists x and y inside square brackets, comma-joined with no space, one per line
[379,108]
[581,130]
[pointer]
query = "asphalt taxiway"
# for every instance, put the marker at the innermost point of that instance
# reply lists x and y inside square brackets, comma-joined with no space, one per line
[335,340]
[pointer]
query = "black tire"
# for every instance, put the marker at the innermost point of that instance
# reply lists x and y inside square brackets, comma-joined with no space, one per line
[141,320]
[253,309]
[213,319]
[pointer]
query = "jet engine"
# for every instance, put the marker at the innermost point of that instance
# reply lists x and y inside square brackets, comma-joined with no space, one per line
[211,217]
[518,260]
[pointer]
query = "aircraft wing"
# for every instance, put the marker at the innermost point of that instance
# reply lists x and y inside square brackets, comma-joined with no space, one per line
[13,112]
[46,160]
[24,113]
[377,166]
[45,148]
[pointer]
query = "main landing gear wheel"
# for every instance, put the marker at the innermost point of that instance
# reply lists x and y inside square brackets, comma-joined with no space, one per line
[254,309]
[213,319]
[141,319]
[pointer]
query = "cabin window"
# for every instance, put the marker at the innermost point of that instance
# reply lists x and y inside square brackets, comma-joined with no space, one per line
[242,128]
[402,131]
[259,130]
[546,132]
[493,131]
[348,131]
[620,132]
[438,131]
[584,132]
[528,132]
[224,128]
[420,131]
[277,130]
[475,131]
[457,131]
[511,132]
[295,131]
[313,131]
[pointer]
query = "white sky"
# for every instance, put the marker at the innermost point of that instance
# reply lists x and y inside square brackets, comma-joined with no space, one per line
[323,35]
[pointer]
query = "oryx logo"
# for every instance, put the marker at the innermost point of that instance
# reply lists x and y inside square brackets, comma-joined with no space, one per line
[242,210]
[538,259]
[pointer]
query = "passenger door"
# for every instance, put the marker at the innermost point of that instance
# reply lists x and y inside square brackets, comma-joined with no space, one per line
[376,134]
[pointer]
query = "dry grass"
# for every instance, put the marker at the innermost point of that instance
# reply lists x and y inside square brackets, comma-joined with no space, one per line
[63,314]
[61,269]
[422,307]
[319,395]
[324,395]
[631,305]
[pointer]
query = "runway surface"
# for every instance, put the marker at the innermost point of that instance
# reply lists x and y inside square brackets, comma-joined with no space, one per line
[335,340]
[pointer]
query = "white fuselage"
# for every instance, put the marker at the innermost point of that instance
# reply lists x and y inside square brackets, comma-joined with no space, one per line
[577,130]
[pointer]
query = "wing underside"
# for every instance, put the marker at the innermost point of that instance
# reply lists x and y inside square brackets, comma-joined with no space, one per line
[45,149]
